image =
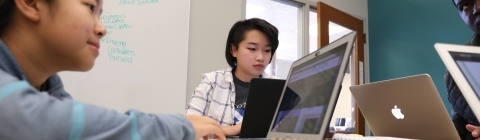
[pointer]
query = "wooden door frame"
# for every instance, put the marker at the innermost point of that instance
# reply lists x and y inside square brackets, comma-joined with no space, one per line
[326,13]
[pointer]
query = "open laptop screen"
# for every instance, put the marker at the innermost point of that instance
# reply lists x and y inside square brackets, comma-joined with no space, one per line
[469,64]
[308,92]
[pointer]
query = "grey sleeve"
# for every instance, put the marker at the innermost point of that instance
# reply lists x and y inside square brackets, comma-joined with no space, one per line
[26,113]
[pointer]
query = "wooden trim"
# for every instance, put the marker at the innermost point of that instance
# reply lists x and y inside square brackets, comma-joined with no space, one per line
[327,13]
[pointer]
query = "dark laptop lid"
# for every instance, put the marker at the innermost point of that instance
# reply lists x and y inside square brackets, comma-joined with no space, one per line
[263,97]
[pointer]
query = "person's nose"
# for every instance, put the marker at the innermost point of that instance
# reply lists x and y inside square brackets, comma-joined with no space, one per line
[260,56]
[100,30]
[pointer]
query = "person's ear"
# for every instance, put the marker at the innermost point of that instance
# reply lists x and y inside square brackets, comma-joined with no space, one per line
[30,9]
[234,50]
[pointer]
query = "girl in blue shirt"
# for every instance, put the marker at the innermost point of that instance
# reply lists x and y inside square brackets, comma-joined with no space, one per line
[38,39]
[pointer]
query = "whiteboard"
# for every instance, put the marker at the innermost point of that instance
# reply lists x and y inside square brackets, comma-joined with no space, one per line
[143,58]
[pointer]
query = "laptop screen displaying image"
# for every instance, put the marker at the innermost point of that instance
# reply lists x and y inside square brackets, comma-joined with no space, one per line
[469,64]
[308,92]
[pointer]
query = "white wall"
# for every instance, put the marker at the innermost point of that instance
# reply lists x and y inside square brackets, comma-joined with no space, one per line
[210,22]
[131,71]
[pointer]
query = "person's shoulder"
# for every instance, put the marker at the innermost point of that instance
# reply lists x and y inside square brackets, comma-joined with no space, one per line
[7,78]
[218,74]
[54,86]
[448,78]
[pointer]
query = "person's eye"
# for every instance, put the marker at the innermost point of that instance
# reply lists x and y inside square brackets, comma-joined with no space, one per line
[91,7]
[252,49]
[464,6]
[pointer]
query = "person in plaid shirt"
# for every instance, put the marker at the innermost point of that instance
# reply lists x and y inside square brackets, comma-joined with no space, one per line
[222,94]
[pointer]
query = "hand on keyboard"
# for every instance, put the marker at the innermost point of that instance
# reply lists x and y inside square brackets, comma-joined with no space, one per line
[205,127]
[232,130]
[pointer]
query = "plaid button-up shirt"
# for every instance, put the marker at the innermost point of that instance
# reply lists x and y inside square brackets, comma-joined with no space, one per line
[215,97]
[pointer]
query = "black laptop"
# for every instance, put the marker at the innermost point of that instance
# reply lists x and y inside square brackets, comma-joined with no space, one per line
[263,97]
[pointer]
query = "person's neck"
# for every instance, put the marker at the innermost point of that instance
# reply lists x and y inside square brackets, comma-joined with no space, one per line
[24,48]
[243,76]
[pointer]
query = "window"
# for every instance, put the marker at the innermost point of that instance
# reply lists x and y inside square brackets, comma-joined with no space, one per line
[335,31]
[342,116]
[312,31]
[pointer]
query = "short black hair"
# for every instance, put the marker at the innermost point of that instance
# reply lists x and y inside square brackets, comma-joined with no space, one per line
[237,35]
[7,8]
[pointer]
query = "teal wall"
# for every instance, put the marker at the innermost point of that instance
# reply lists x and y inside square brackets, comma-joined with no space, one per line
[402,34]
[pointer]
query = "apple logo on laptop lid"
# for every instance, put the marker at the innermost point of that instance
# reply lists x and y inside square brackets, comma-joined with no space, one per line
[397,112]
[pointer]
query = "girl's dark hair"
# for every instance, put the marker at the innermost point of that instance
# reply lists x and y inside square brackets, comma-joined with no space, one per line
[6,8]
[237,35]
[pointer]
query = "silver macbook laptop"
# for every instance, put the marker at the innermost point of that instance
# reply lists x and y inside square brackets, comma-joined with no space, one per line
[463,63]
[310,93]
[407,107]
